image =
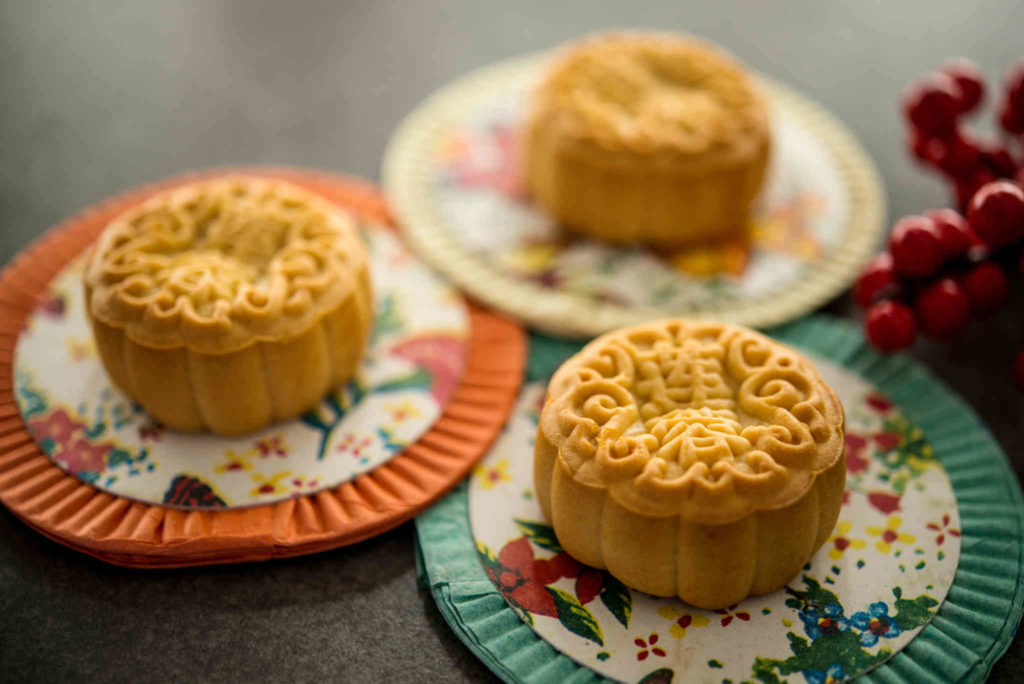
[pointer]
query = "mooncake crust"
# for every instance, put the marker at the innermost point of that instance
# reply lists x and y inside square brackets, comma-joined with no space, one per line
[229,303]
[646,136]
[218,265]
[694,459]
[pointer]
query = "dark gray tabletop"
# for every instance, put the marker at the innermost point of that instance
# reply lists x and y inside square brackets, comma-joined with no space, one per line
[98,97]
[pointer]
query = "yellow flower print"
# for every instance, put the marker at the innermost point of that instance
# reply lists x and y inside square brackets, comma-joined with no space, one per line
[889,535]
[489,477]
[682,621]
[729,257]
[788,230]
[80,349]
[235,462]
[840,541]
[269,485]
[536,258]
[918,463]
[404,410]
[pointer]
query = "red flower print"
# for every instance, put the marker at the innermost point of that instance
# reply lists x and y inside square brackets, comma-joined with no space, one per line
[58,426]
[846,497]
[884,502]
[943,529]
[878,402]
[441,355]
[588,585]
[728,615]
[81,456]
[855,460]
[494,163]
[354,445]
[647,646]
[151,431]
[548,278]
[887,441]
[53,305]
[547,571]
[516,579]
[271,446]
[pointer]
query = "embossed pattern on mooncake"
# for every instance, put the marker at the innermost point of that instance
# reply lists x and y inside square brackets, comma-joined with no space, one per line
[646,92]
[707,421]
[218,265]
[227,304]
[691,459]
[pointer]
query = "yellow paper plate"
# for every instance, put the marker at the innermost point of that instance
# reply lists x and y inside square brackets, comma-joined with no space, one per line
[451,174]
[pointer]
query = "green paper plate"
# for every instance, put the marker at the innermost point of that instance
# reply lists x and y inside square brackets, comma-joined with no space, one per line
[972,629]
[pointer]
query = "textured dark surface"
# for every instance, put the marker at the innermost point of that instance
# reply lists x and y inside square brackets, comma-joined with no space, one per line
[98,97]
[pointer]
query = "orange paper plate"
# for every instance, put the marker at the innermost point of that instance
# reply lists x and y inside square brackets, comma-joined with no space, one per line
[131,533]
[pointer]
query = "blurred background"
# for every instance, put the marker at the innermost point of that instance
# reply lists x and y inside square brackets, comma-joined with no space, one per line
[99,97]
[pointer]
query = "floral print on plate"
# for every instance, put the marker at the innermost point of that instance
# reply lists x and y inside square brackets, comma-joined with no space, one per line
[875,583]
[480,196]
[93,431]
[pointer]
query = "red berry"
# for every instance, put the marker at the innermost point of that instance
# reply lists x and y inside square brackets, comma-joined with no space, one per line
[925,149]
[876,280]
[1018,371]
[968,186]
[956,156]
[969,80]
[890,326]
[943,309]
[1011,120]
[952,229]
[986,285]
[932,104]
[1014,86]
[998,161]
[915,247]
[996,213]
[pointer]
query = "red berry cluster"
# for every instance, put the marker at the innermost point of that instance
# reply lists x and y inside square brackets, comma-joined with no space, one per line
[935,105]
[941,269]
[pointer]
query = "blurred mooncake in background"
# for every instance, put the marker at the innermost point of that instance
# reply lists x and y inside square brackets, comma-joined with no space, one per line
[647,137]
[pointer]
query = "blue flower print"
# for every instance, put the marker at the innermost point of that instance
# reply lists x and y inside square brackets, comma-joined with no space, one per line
[829,620]
[874,624]
[833,674]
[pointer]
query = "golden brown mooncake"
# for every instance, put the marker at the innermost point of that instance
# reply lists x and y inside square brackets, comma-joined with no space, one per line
[646,137]
[691,459]
[227,304]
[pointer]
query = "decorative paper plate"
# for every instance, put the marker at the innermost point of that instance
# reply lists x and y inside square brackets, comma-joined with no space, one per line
[92,430]
[452,175]
[460,410]
[896,592]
